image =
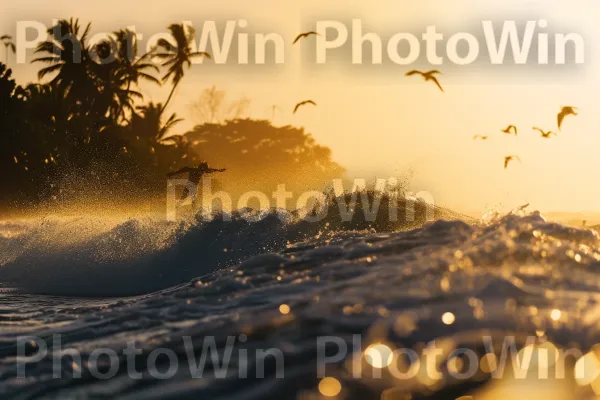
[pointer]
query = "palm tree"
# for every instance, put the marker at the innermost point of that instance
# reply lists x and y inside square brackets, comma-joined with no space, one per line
[66,52]
[53,128]
[8,43]
[176,57]
[133,67]
[100,90]
[149,123]
[46,102]
[113,82]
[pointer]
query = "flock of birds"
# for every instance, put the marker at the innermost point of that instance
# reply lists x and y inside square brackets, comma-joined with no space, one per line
[512,130]
[428,76]
[431,76]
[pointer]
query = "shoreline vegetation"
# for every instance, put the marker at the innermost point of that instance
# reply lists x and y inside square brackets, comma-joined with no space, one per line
[84,133]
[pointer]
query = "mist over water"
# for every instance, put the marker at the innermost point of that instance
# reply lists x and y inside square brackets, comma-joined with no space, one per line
[97,256]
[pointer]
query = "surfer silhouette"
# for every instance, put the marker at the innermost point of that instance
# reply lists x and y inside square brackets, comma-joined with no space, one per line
[194,175]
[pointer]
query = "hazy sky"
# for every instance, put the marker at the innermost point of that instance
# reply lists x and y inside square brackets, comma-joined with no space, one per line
[379,122]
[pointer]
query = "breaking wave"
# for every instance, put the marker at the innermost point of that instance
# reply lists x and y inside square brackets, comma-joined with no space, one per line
[90,257]
[511,275]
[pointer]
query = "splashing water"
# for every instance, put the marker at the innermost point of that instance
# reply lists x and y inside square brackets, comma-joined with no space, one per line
[448,282]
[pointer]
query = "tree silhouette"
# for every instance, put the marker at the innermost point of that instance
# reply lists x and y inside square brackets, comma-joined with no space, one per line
[8,43]
[149,120]
[150,130]
[134,69]
[96,81]
[178,56]
[12,167]
[84,127]
[113,83]
[68,55]
[259,156]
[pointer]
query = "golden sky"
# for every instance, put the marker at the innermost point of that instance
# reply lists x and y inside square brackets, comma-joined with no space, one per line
[379,122]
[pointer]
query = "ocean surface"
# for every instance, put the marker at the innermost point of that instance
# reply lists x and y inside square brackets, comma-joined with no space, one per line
[304,292]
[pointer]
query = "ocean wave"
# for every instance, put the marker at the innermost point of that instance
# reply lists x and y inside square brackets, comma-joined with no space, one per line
[90,257]
[514,275]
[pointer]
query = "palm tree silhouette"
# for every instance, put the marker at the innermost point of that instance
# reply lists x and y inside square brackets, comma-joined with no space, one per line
[8,43]
[176,57]
[149,122]
[75,73]
[133,67]
[68,55]
[112,85]
[101,90]
[47,103]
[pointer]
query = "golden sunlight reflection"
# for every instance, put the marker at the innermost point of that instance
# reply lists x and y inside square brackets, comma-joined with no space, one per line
[379,355]
[348,280]
[488,363]
[448,318]
[284,309]
[405,324]
[330,387]
[530,389]
[587,369]
[556,315]
[542,356]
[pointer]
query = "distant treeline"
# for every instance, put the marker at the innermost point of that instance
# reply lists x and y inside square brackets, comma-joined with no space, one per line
[85,131]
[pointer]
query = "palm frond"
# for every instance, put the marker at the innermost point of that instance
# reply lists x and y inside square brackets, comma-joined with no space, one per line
[201,54]
[48,70]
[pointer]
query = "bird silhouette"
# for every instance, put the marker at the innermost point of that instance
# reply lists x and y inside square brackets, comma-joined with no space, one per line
[508,159]
[428,76]
[510,130]
[565,111]
[482,137]
[305,35]
[302,103]
[545,135]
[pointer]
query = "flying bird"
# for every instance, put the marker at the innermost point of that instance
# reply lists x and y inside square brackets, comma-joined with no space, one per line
[545,135]
[428,76]
[508,159]
[303,103]
[565,111]
[511,130]
[480,137]
[305,35]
